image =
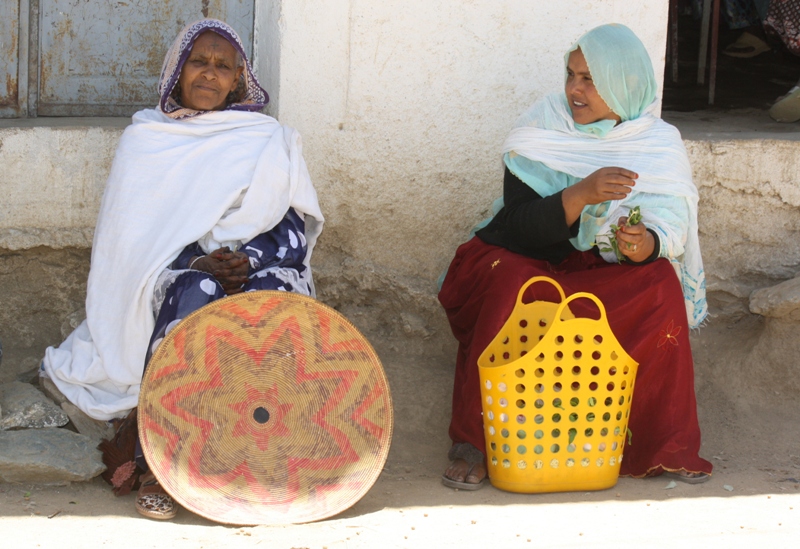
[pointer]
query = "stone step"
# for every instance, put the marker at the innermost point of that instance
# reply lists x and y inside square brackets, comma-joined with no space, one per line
[779,301]
[48,456]
[25,407]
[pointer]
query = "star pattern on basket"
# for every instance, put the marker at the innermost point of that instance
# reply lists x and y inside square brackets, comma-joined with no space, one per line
[252,372]
[330,449]
[274,426]
[669,335]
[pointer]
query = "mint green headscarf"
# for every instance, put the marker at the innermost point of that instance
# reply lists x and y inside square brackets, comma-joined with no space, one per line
[620,67]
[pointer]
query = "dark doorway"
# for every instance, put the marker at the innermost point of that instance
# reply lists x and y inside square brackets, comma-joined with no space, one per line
[753,83]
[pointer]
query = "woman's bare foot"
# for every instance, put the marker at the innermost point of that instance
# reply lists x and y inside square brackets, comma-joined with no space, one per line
[463,475]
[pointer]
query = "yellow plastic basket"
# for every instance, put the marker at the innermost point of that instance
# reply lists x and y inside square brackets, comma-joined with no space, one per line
[556,393]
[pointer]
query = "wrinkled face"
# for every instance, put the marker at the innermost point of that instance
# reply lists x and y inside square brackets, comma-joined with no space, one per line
[585,103]
[209,74]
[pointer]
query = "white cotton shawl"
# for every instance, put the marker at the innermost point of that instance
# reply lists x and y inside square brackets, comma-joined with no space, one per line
[646,145]
[222,177]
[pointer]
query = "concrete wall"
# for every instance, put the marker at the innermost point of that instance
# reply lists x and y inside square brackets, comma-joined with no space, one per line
[52,173]
[404,104]
[52,179]
[750,213]
[746,168]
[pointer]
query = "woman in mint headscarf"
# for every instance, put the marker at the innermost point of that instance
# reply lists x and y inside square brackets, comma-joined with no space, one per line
[577,162]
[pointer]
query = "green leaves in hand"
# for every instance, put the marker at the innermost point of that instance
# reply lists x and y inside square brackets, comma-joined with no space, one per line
[634,218]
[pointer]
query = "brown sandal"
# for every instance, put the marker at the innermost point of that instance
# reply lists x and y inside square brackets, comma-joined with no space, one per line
[153,502]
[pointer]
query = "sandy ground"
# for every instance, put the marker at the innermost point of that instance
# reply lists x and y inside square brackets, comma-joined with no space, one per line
[417,511]
[750,434]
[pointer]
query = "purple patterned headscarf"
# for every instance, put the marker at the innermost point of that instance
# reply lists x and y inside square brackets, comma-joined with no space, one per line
[252,96]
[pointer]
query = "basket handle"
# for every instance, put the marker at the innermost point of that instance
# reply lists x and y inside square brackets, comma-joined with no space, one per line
[536,279]
[579,295]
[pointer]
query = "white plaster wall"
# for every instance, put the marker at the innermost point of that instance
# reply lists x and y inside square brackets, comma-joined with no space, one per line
[403,106]
[52,180]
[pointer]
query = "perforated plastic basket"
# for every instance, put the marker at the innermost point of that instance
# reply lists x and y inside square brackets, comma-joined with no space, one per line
[556,394]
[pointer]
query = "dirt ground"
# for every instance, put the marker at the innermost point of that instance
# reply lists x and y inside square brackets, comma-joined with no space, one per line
[417,511]
[753,498]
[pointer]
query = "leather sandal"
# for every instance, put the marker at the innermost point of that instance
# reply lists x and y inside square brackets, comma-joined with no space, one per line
[152,501]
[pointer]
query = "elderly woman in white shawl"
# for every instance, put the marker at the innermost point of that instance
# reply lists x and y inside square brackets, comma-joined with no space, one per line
[206,197]
[576,164]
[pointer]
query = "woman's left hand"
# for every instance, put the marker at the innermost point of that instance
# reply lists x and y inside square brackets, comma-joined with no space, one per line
[635,241]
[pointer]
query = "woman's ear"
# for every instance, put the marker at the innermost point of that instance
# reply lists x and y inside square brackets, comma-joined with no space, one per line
[239,71]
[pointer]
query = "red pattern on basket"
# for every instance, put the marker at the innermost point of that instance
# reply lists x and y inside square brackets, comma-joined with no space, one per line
[261,433]
[669,335]
[253,319]
[358,414]
[180,345]
[328,348]
[214,337]
[172,439]
[261,357]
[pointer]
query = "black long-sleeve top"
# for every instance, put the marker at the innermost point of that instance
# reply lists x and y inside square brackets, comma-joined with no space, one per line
[536,227]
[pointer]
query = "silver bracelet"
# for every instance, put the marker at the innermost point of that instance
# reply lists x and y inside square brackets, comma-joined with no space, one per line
[193,261]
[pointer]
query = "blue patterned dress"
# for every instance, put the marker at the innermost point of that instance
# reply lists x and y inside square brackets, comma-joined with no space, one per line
[276,263]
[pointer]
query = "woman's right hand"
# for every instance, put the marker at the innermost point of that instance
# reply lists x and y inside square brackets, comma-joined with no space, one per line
[229,268]
[605,184]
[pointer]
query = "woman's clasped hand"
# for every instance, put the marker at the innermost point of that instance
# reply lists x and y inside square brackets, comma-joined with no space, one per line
[228,267]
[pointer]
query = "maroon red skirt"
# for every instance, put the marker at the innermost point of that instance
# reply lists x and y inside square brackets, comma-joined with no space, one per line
[646,312]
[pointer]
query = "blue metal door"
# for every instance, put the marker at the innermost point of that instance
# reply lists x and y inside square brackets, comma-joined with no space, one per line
[96,57]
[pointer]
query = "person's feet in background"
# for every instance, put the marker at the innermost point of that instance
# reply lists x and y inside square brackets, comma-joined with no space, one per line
[748,45]
[787,107]
[763,21]
[782,21]
[746,15]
